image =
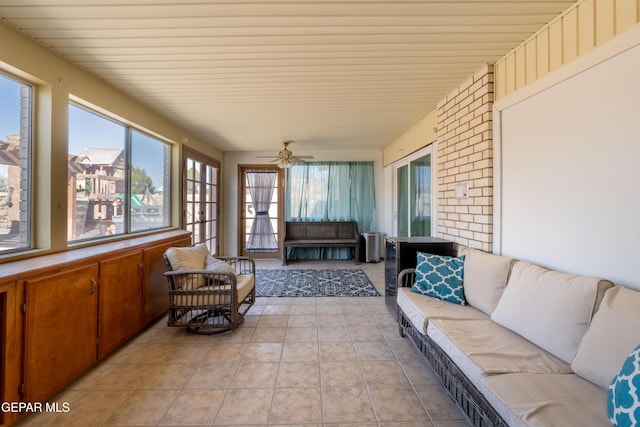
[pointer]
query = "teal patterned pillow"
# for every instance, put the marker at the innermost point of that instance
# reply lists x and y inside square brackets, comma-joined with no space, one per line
[623,403]
[440,277]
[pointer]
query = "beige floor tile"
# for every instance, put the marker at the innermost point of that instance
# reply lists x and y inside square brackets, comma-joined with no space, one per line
[439,406]
[298,374]
[418,372]
[226,352]
[337,351]
[269,335]
[304,306]
[342,374]
[346,405]
[384,373]
[333,334]
[142,353]
[245,407]
[296,405]
[169,376]
[273,321]
[295,334]
[193,353]
[373,351]
[255,375]
[275,309]
[303,320]
[397,404]
[263,352]
[212,375]
[366,333]
[193,407]
[300,352]
[143,408]
[114,376]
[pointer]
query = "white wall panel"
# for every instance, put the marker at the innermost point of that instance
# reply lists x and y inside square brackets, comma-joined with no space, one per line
[570,168]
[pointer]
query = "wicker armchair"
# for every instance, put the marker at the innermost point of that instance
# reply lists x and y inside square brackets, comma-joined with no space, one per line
[209,296]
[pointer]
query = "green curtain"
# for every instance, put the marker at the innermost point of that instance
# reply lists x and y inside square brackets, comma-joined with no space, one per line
[331,191]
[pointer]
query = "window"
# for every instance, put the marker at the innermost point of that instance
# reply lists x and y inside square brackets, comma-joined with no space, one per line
[413,194]
[118,178]
[15,164]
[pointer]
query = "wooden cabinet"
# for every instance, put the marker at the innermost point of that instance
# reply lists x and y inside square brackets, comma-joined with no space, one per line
[61,313]
[10,348]
[120,300]
[155,288]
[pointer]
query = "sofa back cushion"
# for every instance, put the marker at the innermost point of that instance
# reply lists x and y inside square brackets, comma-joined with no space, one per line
[549,308]
[485,276]
[614,332]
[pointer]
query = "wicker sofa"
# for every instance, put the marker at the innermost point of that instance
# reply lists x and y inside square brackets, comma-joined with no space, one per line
[531,347]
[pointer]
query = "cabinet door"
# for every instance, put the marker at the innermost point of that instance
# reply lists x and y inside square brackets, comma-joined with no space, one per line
[156,290]
[120,300]
[60,330]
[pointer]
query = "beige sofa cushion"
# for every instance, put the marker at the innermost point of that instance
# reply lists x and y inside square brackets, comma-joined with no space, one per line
[485,276]
[188,258]
[419,308]
[614,332]
[549,308]
[547,400]
[482,347]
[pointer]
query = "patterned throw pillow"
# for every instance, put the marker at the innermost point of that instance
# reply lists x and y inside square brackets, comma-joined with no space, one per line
[440,277]
[623,403]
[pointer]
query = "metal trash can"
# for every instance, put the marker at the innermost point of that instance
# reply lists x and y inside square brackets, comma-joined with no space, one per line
[372,244]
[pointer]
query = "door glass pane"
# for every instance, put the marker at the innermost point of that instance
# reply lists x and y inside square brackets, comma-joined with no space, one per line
[420,196]
[261,211]
[403,201]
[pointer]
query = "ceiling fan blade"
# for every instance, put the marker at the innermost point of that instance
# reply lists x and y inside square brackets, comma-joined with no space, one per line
[267,157]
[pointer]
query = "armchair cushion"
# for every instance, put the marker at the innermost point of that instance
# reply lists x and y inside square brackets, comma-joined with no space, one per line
[188,258]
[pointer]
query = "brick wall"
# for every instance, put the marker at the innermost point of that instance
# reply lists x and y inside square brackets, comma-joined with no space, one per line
[465,156]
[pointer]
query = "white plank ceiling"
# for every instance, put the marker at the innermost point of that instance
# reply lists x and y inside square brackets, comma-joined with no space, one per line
[244,74]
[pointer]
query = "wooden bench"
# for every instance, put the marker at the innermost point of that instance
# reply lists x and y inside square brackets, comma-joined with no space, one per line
[326,234]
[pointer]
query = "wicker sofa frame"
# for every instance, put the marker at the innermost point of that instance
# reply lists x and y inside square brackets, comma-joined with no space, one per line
[205,302]
[467,397]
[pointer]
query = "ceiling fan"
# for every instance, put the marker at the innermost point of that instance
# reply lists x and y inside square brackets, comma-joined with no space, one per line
[285,157]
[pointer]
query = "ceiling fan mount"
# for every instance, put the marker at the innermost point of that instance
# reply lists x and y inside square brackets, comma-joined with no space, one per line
[285,157]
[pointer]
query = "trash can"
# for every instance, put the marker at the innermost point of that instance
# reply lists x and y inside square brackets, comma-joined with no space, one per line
[372,244]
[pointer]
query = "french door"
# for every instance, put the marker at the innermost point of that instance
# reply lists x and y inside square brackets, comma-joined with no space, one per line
[413,190]
[200,214]
[261,211]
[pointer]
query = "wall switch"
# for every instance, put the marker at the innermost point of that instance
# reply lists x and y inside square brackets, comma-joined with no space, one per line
[462,190]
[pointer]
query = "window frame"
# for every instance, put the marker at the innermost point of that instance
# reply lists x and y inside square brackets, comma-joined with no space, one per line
[129,129]
[28,199]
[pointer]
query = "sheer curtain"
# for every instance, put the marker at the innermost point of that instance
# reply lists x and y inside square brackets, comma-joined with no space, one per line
[260,185]
[331,191]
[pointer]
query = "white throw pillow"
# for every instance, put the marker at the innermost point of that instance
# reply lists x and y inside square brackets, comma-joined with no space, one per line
[218,266]
[188,258]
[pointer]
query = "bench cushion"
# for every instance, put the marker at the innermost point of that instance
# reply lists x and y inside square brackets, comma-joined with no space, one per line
[420,308]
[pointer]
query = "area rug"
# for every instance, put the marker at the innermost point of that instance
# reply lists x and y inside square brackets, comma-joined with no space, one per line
[314,283]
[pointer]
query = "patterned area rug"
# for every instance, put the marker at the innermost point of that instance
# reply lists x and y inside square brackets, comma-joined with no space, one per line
[314,283]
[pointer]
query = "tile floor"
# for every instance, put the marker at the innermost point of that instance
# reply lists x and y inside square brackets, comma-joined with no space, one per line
[295,361]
